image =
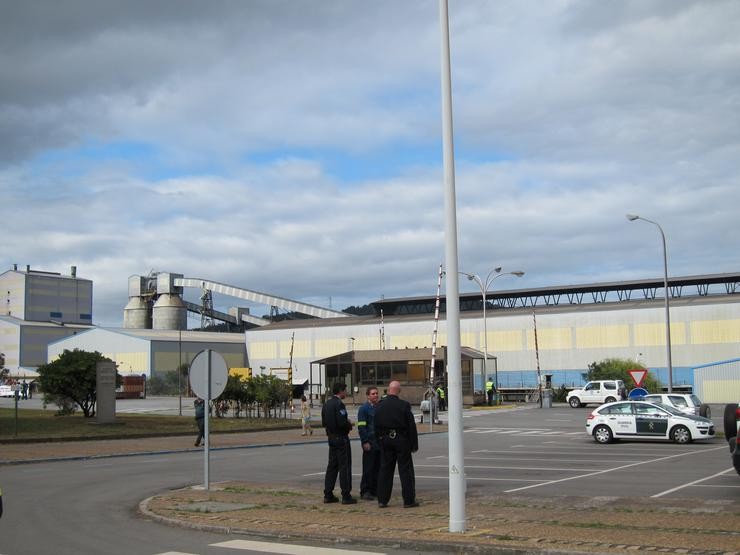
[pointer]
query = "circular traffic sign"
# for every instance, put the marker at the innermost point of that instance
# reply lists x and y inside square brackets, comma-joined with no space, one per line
[199,373]
[637,394]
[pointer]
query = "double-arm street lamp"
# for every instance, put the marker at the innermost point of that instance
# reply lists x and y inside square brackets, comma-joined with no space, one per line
[632,218]
[492,276]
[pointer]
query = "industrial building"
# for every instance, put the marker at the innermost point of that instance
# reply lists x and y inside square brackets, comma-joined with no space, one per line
[531,332]
[40,307]
[527,333]
[149,352]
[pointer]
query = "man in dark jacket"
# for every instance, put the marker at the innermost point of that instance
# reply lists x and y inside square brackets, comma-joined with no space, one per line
[396,429]
[338,426]
[370,447]
[200,419]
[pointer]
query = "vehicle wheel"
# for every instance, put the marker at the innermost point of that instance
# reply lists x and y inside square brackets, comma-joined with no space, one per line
[730,427]
[732,442]
[681,434]
[705,411]
[602,434]
[575,402]
[610,400]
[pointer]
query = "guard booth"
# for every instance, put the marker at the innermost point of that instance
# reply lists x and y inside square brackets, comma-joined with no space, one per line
[360,369]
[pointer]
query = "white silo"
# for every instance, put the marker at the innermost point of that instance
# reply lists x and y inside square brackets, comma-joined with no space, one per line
[169,313]
[136,314]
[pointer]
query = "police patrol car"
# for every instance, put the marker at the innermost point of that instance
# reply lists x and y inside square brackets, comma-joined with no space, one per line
[641,420]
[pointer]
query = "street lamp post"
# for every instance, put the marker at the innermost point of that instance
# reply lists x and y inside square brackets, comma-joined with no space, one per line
[669,363]
[492,276]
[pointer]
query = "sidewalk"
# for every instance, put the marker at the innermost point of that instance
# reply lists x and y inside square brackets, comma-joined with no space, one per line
[501,524]
[504,524]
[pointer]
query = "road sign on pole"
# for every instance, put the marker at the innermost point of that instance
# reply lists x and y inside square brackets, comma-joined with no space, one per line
[638,375]
[200,377]
[208,376]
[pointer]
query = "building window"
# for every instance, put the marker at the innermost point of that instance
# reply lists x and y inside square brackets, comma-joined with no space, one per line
[85,316]
[55,314]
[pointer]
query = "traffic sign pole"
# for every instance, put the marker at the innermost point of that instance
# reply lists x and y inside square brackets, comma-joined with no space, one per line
[206,450]
[208,377]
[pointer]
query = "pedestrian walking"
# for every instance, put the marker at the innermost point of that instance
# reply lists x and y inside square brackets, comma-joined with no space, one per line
[200,419]
[305,417]
[370,445]
[396,429]
[337,424]
[24,390]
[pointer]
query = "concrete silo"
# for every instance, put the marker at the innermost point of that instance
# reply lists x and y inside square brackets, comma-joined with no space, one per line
[169,311]
[137,314]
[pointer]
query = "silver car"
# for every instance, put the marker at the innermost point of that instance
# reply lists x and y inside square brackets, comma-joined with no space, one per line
[641,420]
[685,402]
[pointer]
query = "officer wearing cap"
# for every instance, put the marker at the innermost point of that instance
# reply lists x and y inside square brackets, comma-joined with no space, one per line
[396,428]
[338,426]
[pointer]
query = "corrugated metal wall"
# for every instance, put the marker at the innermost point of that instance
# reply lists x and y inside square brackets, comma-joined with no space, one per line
[718,382]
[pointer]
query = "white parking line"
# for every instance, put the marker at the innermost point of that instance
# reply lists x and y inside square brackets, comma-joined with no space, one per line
[288,549]
[480,479]
[612,469]
[666,492]
[558,460]
[480,467]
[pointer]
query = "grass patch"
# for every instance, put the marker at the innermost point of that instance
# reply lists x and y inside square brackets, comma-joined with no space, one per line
[40,425]
[258,491]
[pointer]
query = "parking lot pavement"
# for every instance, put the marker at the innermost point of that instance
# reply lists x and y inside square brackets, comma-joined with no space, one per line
[547,452]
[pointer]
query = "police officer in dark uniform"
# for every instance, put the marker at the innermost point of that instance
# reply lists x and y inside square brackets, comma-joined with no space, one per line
[396,428]
[338,426]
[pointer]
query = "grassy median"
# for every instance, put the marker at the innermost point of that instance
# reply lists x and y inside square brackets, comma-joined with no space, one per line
[44,425]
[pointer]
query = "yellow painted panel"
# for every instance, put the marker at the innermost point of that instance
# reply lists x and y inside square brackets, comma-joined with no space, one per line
[647,335]
[131,362]
[595,337]
[330,347]
[302,349]
[469,339]
[410,341]
[243,373]
[653,335]
[262,349]
[367,343]
[550,339]
[714,331]
[720,389]
[284,347]
[509,340]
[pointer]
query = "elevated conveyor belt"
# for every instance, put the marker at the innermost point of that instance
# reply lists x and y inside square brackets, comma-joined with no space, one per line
[261,298]
[224,317]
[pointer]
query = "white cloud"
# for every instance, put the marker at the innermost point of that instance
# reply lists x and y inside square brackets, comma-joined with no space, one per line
[294,149]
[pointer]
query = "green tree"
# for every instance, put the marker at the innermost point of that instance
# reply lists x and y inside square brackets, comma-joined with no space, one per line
[618,369]
[71,380]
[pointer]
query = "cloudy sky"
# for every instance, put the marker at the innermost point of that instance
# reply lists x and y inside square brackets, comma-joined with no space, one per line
[294,147]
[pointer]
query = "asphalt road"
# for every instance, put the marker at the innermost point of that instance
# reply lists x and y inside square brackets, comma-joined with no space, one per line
[82,507]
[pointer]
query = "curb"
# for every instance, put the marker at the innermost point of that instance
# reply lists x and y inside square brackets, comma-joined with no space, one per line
[409,545]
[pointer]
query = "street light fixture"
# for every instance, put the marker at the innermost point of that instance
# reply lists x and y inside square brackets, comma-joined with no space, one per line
[669,363]
[492,276]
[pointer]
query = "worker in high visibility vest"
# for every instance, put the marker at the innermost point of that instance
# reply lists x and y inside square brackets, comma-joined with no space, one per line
[489,392]
[441,397]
